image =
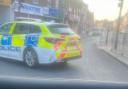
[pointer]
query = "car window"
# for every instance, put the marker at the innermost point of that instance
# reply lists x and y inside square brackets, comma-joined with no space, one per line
[34,29]
[60,29]
[5,28]
[21,29]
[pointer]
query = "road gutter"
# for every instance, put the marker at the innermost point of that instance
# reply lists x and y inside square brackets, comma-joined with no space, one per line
[116,55]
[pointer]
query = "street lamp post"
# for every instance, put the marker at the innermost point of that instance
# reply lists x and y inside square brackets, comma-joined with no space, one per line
[118,26]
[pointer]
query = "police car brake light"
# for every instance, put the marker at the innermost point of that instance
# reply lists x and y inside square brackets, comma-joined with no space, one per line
[53,40]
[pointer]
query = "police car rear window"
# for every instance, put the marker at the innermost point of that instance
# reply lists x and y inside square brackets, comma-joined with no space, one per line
[60,29]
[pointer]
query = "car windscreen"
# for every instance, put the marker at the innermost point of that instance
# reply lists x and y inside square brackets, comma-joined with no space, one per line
[60,29]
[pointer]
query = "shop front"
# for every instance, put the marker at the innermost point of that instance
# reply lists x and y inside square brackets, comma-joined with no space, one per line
[33,11]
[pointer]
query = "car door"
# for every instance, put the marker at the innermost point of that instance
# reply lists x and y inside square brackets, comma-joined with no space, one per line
[5,39]
[18,40]
[32,37]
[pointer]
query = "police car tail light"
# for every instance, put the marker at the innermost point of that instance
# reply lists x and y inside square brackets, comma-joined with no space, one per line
[53,40]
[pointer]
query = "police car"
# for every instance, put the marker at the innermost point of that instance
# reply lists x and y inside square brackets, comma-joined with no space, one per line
[34,42]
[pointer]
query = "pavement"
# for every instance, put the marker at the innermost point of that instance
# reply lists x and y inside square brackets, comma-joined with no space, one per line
[116,54]
[96,65]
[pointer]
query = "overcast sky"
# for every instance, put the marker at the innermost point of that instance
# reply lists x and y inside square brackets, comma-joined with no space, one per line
[106,9]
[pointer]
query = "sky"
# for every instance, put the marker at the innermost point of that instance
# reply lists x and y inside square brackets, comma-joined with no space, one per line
[106,9]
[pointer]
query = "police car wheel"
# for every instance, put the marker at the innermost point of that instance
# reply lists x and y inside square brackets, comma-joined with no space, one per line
[64,63]
[30,58]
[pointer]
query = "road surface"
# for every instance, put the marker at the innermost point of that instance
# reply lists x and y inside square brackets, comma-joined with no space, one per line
[94,65]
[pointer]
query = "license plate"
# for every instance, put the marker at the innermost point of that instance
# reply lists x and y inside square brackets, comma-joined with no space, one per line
[73,54]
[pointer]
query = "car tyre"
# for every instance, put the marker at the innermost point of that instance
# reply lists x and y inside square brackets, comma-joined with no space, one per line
[30,58]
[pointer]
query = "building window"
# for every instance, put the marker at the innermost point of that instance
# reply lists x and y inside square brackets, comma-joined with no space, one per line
[35,1]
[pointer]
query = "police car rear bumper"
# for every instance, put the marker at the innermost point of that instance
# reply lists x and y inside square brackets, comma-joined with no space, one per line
[48,56]
[69,58]
[72,58]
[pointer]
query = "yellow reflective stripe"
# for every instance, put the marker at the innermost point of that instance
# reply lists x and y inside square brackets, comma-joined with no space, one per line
[12,28]
[44,44]
[44,30]
[18,40]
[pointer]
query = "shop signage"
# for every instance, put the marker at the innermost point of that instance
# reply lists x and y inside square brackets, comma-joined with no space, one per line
[36,10]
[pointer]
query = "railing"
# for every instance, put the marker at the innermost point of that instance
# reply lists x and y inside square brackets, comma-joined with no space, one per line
[107,39]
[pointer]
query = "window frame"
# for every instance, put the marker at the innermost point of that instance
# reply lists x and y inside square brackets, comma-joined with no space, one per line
[5,25]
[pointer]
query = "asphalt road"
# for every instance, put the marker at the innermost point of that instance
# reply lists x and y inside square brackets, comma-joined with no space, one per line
[94,65]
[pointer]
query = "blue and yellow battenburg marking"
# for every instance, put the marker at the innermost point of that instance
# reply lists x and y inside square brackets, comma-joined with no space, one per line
[6,40]
[12,43]
[31,40]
